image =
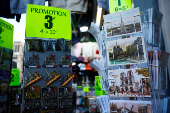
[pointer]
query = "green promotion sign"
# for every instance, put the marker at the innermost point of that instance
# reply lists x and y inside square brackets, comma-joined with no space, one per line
[119,5]
[15,77]
[48,22]
[6,34]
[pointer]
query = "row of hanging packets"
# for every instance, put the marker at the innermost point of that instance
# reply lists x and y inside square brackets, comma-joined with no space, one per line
[103,101]
[95,31]
[99,65]
[40,45]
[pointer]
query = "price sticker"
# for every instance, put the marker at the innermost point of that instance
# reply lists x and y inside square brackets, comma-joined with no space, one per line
[119,5]
[48,22]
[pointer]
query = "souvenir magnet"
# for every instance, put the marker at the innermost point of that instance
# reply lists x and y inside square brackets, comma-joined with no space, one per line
[48,92]
[51,78]
[49,46]
[57,46]
[32,78]
[66,46]
[50,61]
[61,42]
[64,79]
[31,92]
[68,80]
[65,103]
[65,92]
[33,62]
[31,44]
[40,45]
[49,104]
[65,61]
[69,45]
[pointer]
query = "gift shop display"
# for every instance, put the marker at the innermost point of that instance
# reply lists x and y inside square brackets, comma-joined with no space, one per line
[47,69]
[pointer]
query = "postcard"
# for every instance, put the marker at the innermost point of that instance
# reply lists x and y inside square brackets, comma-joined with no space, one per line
[122,23]
[129,83]
[127,106]
[126,51]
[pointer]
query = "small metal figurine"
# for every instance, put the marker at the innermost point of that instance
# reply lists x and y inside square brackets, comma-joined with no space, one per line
[32,78]
[44,42]
[31,104]
[50,61]
[49,104]
[67,46]
[62,41]
[33,62]
[50,46]
[48,92]
[51,78]
[65,61]
[31,92]
[40,45]
[65,97]
[31,44]
[57,46]
[64,79]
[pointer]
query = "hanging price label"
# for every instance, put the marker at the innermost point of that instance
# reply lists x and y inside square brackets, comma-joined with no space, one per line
[48,22]
[119,5]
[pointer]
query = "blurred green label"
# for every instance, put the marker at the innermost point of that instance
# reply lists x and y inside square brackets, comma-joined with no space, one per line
[15,77]
[85,89]
[6,34]
[119,5]
[98,86]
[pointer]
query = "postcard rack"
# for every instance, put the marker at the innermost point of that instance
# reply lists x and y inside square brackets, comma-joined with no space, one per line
[151,31]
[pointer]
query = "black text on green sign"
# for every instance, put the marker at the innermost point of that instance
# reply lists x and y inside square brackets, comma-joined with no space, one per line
[49,12]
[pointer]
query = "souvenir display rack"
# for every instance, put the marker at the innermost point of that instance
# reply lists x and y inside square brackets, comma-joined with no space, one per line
[47,67]
[151,31]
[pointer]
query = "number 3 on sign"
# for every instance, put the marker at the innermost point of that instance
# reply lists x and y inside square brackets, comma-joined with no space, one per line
[49,25]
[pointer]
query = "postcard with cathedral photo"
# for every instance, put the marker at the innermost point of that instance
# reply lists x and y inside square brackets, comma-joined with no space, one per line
[127,106]
[129,83]
[126,51]
[122,23]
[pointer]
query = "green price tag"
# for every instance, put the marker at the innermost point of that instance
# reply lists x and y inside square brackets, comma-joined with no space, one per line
[6,34]
[15,77]
[119,5]
[48,22]
[85,89]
